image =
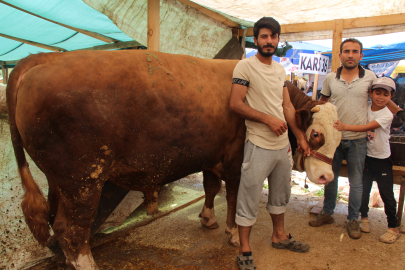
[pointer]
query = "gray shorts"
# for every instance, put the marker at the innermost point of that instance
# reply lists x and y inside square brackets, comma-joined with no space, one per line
[259,164]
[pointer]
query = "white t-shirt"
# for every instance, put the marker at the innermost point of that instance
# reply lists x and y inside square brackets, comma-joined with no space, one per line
[264,94]
[378,144]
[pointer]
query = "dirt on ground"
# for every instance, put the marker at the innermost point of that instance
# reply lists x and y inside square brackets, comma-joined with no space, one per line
[178,241]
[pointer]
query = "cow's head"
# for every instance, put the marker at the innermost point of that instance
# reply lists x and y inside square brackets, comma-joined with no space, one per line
[322,137]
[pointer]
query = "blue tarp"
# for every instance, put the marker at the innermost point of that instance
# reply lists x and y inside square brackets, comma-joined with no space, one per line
[74,13]
[382,53]
[294,53]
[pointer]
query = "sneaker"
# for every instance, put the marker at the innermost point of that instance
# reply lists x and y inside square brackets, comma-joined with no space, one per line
[365,226]
[389,237]
[292,245]
[245,261]
[322,218]
[353,229]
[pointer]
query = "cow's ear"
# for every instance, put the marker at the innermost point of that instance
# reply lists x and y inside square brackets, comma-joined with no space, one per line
[303,118]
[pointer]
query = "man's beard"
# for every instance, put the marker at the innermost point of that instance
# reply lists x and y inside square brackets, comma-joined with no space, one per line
[350,66]
[266,54]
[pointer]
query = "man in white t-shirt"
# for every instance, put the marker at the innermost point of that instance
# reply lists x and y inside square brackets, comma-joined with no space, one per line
[378,164]
[259,95]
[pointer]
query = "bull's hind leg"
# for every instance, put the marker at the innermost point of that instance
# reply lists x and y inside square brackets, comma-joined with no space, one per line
[75,214]
[231,230]
[212,185]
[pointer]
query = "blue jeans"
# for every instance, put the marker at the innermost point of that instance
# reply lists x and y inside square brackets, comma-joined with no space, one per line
[354,151]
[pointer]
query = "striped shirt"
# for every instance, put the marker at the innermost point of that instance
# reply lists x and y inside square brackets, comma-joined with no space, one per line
[351,100]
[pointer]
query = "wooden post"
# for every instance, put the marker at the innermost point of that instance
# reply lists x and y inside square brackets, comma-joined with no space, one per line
[401,202]
[5,74]
[315,89]
[337,40]
[243,44]
[153,24]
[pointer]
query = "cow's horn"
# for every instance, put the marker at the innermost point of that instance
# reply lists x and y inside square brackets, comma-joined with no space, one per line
[315,109]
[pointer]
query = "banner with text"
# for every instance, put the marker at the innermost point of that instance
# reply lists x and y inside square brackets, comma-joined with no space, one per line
[385,69]
[288,66]
[313,63]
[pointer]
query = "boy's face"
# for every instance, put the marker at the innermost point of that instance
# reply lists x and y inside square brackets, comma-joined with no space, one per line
[380,97]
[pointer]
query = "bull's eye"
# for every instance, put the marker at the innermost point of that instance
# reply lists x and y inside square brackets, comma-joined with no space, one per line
[315,134]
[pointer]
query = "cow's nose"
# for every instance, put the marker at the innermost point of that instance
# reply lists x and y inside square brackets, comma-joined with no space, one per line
[325,178]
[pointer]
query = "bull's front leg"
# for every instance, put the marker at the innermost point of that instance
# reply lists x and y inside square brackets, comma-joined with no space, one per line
[212,185]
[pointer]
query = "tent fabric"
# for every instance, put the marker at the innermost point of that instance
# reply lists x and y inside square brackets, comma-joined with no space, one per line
[75,13]
[382,53]
[299,11]
[183,30]
[397,70]
[101,16]
[297,48]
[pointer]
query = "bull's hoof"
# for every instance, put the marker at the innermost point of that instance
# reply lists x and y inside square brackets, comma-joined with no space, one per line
[233,236]
[210,224]
[54,246]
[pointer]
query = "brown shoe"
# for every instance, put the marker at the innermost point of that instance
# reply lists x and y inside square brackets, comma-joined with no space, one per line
[353,229]
[321,219]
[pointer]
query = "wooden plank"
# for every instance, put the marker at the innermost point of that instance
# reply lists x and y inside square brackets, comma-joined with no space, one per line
[5,74]
[9,62]
[347,24]
[210,13]
[235,32]
[401,204]
[374,21]
[111,197]
[337,40]
[33,43]
[118,45]
[315,88]
[153,24]
[232,50]
[85,32]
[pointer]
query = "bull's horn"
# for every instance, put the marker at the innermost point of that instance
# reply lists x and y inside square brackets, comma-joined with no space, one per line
[315,109]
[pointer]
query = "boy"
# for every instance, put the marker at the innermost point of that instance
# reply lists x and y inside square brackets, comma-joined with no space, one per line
[378,164]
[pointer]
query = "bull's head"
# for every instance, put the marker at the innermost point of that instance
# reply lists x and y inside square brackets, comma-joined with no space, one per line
[322,138]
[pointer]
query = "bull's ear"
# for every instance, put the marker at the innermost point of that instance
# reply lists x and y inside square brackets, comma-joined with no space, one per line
[303,118]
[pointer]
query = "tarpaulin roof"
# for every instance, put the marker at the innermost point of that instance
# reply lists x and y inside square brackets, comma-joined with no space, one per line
[183,29]
[75,13]
[297,48]
[399,69]
[382,53]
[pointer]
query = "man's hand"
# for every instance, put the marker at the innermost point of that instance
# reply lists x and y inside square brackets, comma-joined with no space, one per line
[401,116]
[303,144]
[277,126]
[339,125]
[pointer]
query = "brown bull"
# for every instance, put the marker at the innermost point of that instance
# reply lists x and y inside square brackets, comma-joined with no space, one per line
[139,119]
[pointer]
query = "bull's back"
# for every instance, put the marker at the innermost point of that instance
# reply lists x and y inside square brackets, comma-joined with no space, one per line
[138,111]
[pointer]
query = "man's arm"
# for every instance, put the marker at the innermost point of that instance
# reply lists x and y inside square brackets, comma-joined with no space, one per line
[289,114]
[393,107]
[396,110]
[236,104]
[357,128]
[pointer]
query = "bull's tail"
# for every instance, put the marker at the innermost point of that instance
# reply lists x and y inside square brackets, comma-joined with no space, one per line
[34,205]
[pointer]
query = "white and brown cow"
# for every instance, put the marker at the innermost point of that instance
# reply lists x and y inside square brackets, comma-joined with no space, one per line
[138,119]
